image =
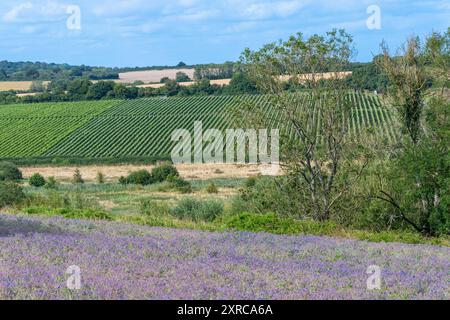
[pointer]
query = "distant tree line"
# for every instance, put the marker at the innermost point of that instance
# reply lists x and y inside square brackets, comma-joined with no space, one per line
[30,71]
[84,89]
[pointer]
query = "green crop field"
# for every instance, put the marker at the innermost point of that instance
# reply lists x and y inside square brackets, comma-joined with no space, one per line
[137,128]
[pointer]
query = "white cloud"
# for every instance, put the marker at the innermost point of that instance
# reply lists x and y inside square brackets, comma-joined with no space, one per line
[11,15]
[255,10]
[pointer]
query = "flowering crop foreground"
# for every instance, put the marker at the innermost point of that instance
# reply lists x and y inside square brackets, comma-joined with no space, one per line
[120,261]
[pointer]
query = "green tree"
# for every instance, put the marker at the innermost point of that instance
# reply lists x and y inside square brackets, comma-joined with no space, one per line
[78,87]
[241,84]
[417,183]
[37,180]
[318,156]
[182,77]
[100,90]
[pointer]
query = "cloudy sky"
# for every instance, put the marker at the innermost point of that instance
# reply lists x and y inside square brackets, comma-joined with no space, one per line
[157,32]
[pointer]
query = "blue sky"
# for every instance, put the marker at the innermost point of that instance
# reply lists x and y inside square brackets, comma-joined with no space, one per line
[154,32]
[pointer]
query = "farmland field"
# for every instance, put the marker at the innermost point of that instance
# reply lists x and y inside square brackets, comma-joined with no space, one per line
[17,85]
[140,128]
[121,261]
[31,129]
[153,75]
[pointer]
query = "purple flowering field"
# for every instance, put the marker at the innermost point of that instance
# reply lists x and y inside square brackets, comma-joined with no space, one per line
[121,261]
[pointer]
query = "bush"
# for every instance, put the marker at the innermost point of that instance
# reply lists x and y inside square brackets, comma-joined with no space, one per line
[151,207]
[37,180]
[196,210]
[270,194]
[123,180]
[163,172]
[142,177]
[70,213]
[9,172]
[51,183]
[10,194]
[212,188]
[270,222]
[180,184]
[100,178]
[77,177]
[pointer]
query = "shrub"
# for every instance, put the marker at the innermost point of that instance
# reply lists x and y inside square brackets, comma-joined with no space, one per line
[9,172]
[163,172]
[51,183]
[180,184]
[100,178]
[37,180]
[212,188]
[270,194]
[123,180]
[77,177]
[151,207]
[250,182]
[142,177]
[10,194]
[270,222]
[70,213]
[196,210]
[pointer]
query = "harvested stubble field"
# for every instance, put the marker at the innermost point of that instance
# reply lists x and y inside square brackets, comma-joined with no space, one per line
[153,75]
[120,261]
[112,173]
[17,85]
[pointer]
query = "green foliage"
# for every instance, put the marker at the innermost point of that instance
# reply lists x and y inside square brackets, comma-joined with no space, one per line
[10,193]
[104,131]
[151,207]
[180,184]
[34,129]
[212,188]
[51,183]
[162,172]
[182,77]
[77,177]
[100,178]
[9,172]
[273,223]
[141,177]
[79,87]
[367,76]
[123,180]
[241,84]
[197,210]
[100,90]
[37,180]
[69,213]
[417,188]
[269,194]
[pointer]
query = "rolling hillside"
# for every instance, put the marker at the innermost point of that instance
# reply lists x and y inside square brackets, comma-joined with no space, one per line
[135,128]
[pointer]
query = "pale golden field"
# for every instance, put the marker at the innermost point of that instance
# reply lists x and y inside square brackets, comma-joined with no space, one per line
[221,82]
[187,171]
[153,75]
[319,76]
[17,85]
